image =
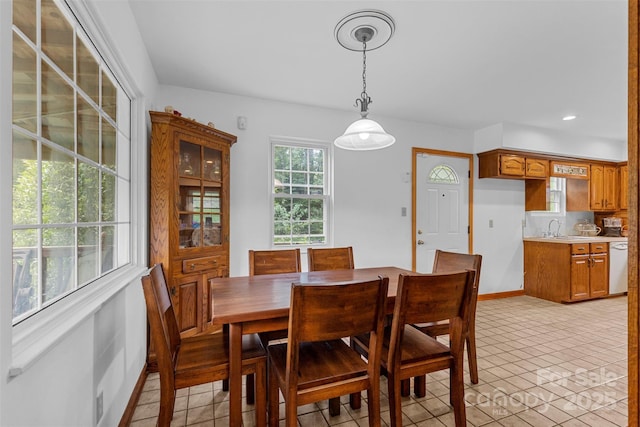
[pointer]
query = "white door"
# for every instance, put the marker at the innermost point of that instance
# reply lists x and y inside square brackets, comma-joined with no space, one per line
[442,207]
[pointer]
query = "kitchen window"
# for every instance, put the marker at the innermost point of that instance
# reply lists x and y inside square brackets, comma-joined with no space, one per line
[300,181]
[71,160]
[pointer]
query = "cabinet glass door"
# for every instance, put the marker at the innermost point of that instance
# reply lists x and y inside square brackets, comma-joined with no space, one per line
[199,204]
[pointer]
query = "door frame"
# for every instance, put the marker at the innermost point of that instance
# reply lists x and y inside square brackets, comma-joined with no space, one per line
[414,154]
[633,300]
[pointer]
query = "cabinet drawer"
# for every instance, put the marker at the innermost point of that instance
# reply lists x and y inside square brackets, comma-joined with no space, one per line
[580,249]
[201,264]
[599,248]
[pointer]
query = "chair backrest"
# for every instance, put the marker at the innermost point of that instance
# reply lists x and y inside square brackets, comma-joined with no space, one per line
[274,261]
[445,262]
[337,310]
[428,298]
[163,326]
[324,259]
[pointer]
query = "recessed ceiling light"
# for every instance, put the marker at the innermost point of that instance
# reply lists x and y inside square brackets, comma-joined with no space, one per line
[566,118]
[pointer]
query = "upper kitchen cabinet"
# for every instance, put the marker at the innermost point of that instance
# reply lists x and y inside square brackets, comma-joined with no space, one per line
[512,165]
[624,186]
[603,187]
[189,212]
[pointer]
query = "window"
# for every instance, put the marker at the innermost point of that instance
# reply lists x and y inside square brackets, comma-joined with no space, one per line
[300,192]
[557,195]
[443,174]
[71,159]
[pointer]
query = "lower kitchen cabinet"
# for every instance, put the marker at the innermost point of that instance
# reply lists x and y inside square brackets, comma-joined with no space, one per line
[566,272]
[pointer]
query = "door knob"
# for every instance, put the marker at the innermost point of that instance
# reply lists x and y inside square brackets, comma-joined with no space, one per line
[421,242]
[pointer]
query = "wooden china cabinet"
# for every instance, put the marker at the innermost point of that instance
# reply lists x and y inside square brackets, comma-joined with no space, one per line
[189,212]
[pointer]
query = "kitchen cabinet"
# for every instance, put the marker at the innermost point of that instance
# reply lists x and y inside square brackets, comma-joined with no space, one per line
[589,270]
[189,212]
[603,187]
[624,186]
[566,272]
[504,164]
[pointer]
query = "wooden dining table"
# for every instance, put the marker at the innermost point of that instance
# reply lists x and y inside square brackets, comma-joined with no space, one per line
[252,304]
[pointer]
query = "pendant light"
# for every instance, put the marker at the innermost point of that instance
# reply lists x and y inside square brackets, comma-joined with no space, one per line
[357,31]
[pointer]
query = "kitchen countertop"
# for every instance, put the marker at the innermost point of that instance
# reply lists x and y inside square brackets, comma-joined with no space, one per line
[575,239]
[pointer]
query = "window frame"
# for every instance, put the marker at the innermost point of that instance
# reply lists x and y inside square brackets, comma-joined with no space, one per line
[327,198]
[34,336]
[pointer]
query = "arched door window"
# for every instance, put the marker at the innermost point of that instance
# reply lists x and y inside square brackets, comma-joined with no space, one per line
[443,174]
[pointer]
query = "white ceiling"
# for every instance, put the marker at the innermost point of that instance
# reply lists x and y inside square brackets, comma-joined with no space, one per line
[467,64]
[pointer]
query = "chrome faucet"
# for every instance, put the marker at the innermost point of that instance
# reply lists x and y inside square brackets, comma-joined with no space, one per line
[557,233]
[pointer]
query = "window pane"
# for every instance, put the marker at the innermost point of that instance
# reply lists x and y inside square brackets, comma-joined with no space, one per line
[300,210]
[282,209]
[57,108]
[57,37]
[24,17]
[281,157]
[316,209]
[25,180]
[108,96]
[316,160]
[88,122]
[88,190]
[58,255]
[25,85]
[108,197]
[88,71]
[298,159]
[88,251]
[25,271]
[107,239]
[108,145]
[58,187]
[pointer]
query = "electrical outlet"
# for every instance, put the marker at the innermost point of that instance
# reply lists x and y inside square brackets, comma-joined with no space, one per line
[490,223]
[99,407]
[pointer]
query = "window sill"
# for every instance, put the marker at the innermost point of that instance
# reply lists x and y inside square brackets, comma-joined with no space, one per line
[35,336]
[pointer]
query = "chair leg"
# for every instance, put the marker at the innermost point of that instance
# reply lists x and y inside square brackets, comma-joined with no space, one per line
[334,406]
[395,400]
[420,386]
[457,393]
[355,400]
[250,390]
[261,392]
[472,356]
[405,387]
[167,402]
[273,399]
[373,403]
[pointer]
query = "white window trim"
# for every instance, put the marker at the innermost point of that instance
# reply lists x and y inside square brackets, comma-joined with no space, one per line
[34,337]
[302,142]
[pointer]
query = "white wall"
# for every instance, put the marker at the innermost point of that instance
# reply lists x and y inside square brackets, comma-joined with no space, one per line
[368,188]
[106,350]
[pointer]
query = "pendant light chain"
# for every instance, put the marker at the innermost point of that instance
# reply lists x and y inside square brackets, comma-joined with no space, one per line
[364,69]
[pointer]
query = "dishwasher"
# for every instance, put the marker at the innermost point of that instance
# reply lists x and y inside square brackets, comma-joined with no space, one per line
[618,257]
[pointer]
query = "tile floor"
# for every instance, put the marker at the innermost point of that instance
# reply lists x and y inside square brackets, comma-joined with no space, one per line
[541,364]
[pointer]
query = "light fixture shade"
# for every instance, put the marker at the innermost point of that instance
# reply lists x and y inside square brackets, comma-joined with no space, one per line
[364,134]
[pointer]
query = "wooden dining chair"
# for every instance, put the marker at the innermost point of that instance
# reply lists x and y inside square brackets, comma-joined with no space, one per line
[274,261]
[186,362]
[407,352]
[323,259]
[445,262]
[316,364]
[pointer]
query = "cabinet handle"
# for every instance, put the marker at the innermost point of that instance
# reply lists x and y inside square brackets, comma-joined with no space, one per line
[173,291]
[192,266]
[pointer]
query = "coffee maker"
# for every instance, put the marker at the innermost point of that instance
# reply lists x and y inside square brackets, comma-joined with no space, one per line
[612,226]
